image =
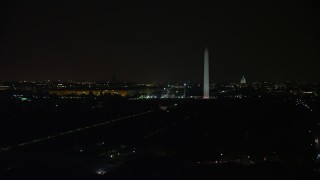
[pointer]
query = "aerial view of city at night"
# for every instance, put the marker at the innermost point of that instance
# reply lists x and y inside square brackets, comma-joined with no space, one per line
[159,90]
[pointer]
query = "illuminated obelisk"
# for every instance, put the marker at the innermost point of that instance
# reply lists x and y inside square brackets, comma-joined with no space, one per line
[206,75]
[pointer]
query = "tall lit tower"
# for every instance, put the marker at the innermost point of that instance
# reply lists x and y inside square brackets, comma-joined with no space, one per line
[206,75]
[243,80]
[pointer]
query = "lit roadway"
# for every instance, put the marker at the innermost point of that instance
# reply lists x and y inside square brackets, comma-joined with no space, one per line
[75,131]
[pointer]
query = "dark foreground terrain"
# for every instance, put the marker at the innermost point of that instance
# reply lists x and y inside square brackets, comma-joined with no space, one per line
[248,138]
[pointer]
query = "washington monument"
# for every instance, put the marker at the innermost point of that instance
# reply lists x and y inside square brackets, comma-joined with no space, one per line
[206,75]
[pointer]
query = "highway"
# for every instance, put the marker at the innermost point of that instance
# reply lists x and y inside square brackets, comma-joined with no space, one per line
[75,131]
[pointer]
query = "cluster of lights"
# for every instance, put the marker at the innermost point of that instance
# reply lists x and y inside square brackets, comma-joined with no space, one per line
[101,171]
[70,97]
[166,96]
[148,97]
[224,91]
[300,102]
[20,96]
[246,160]
[238,96]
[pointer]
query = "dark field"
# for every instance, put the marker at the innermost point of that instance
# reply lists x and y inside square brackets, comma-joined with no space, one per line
[249,138]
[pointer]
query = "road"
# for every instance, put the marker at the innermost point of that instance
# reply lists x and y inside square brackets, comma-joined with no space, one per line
[75,131]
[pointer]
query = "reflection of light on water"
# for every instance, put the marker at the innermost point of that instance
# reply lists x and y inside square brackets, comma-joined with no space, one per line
[101,171]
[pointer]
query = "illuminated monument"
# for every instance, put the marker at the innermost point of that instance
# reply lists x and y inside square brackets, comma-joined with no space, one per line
[206,75]
[243,80]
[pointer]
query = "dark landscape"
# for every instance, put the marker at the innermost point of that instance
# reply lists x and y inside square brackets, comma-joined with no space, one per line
[159,90]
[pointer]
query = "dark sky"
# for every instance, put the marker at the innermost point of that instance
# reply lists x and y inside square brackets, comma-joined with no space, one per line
[158,41]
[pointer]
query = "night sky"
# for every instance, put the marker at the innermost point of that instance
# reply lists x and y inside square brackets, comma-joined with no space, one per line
[156,41]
